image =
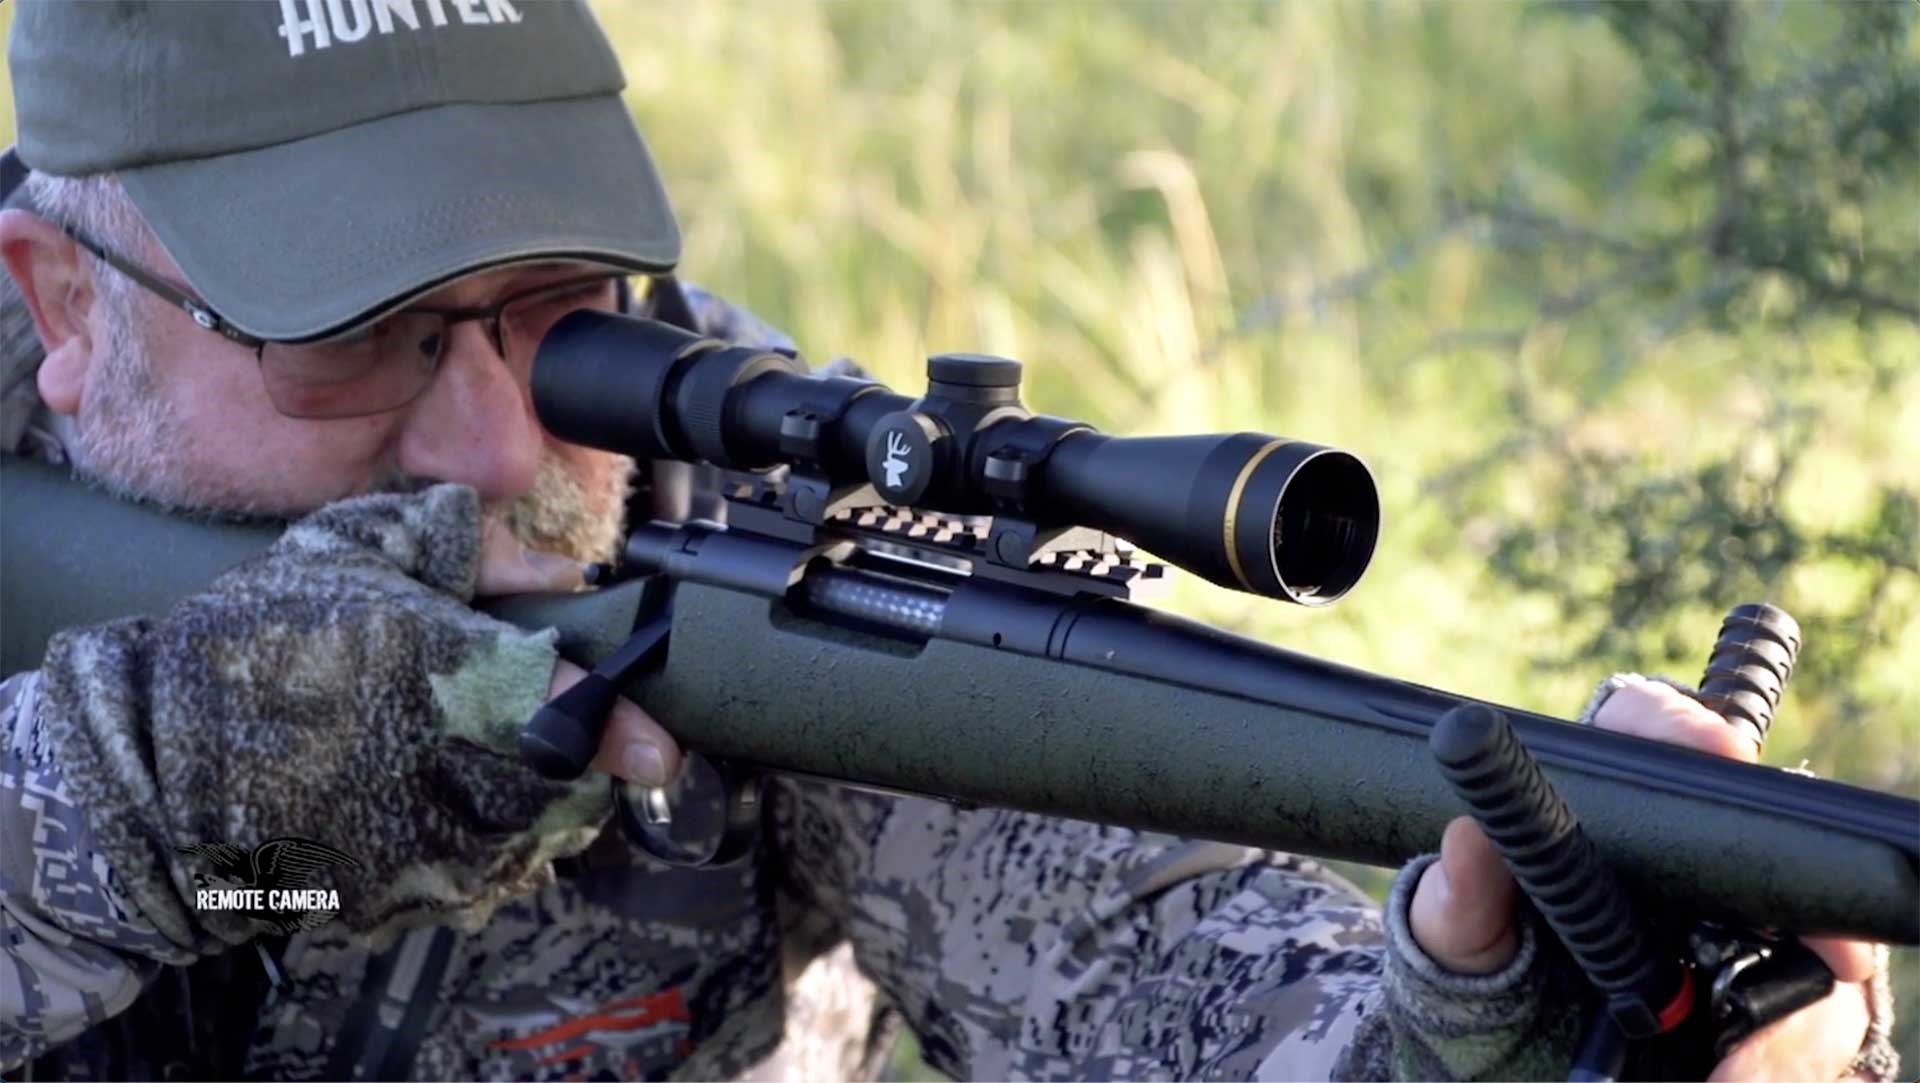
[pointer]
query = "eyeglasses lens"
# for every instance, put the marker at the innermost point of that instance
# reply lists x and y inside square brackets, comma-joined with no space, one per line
[526,321]
[382,368]
[386,366]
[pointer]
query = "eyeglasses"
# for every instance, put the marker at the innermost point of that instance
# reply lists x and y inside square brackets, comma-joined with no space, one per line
[386,364]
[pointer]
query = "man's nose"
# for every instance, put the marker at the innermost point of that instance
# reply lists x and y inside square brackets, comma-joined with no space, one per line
[475,424]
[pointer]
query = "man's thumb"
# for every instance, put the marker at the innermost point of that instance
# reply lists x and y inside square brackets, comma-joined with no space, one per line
[1462,911]
[507,567]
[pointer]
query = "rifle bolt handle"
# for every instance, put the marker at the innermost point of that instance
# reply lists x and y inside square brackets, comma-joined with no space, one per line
[561,739]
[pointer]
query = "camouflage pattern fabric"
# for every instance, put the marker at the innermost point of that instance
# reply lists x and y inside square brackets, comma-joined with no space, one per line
[338,680]
[1023,947]
[1494,1026]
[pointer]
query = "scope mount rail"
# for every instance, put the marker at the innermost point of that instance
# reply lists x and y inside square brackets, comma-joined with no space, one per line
[1061,560]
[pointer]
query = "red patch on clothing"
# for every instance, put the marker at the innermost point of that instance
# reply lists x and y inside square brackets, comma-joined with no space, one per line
[629,1014]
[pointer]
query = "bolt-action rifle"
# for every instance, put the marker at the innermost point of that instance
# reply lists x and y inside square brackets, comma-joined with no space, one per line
[939,596]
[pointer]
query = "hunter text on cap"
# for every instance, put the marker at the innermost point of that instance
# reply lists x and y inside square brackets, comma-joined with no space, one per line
[326,22]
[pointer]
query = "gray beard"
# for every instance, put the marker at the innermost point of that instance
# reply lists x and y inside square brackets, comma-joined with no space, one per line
[558,513]
[562,514]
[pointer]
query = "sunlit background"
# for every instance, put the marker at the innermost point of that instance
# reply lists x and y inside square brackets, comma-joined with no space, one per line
[1619,303]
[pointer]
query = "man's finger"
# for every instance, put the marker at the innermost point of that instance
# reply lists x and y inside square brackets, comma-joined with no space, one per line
[1816,1042]
[636,748]
[507,567]
[1462,909]
[1850,960]
[1662,713]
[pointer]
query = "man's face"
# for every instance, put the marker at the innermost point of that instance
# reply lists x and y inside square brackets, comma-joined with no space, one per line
[178,414]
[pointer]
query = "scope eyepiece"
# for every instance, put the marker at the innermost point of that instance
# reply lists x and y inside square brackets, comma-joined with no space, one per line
[650,390]
[1280,518]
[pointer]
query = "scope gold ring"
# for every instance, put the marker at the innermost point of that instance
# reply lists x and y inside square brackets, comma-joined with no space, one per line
[1231,518]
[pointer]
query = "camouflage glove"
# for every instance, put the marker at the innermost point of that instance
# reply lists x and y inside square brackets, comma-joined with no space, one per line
[337,688]
[1519,1022]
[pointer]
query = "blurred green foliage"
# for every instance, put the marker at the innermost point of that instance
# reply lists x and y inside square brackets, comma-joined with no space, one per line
[1619,301]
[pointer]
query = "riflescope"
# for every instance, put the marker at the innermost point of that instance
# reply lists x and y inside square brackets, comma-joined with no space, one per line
[1277,517]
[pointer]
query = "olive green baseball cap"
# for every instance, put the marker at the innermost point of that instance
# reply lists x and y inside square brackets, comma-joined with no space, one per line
[311,164]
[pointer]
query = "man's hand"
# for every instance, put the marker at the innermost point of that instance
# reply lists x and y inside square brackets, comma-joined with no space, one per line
[338,687]
[1462,912]
[633,746]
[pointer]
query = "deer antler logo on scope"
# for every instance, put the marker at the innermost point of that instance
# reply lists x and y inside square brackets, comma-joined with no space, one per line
[896,462]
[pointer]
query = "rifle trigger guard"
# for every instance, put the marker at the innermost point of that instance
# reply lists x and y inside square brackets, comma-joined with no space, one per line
[1722,995]
[741,791]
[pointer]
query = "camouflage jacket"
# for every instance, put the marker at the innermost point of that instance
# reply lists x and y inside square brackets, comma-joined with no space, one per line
[1013,945]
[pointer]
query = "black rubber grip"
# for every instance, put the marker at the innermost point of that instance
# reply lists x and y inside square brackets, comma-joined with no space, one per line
[1751,662]
[1557,866]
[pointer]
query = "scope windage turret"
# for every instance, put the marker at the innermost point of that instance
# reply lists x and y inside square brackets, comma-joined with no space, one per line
[1281,518]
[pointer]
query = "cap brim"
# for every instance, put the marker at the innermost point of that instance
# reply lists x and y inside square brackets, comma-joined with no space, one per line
[308,238]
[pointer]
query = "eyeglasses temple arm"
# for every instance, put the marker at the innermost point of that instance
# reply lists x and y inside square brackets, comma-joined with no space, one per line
[167,291]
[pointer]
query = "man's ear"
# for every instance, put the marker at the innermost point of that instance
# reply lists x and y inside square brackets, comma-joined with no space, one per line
[57,285]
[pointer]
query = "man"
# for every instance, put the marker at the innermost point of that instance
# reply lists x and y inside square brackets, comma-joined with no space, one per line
[292,260]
